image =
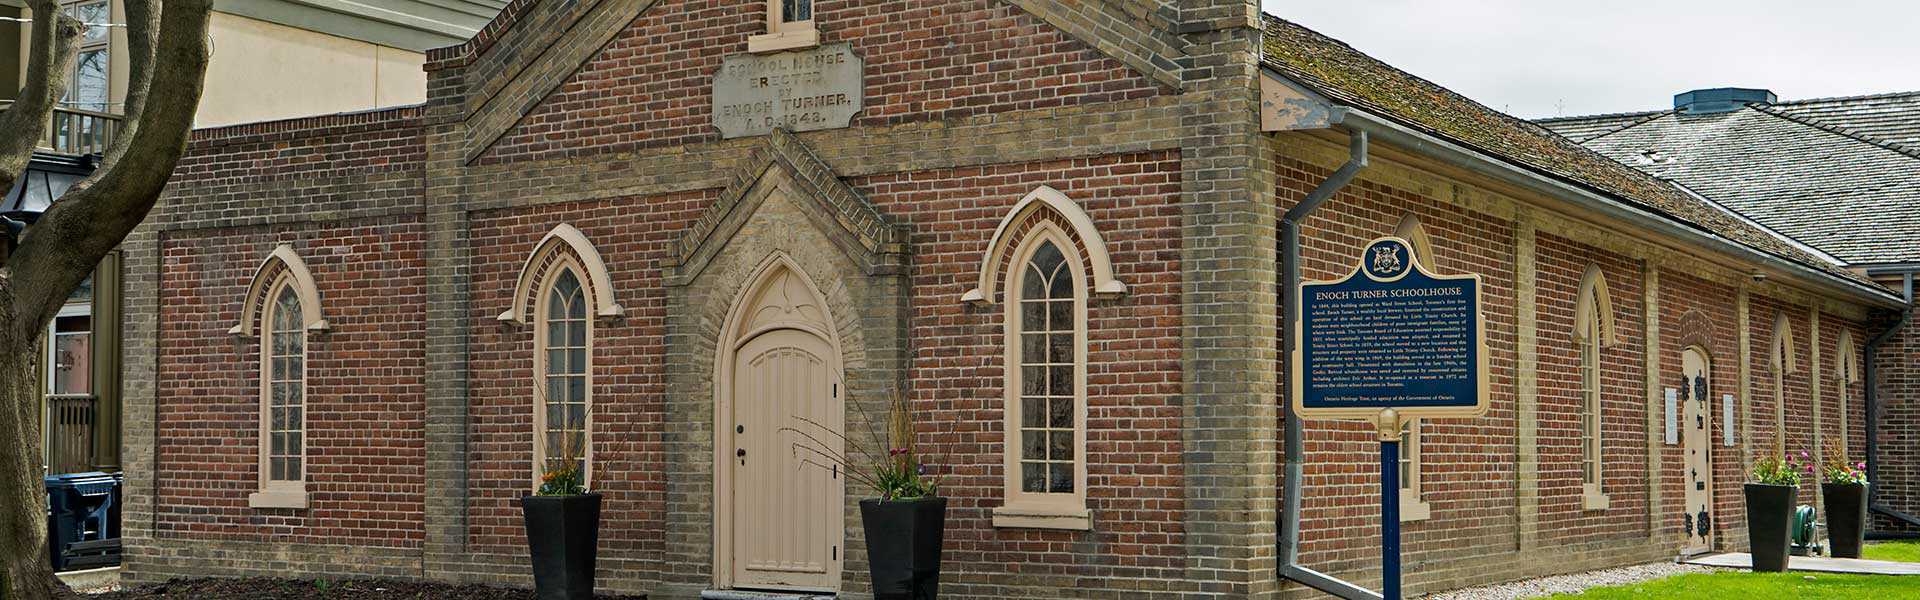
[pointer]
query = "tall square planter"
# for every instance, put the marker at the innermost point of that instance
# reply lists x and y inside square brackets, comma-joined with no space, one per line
[1846,517]
[563,537]
[903,546]
[1769,521]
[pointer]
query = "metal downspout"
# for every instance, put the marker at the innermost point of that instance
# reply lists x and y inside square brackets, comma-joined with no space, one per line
[1873,395]
[1295,455]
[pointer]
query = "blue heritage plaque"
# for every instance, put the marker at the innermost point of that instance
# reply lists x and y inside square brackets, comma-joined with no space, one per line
[1391,335]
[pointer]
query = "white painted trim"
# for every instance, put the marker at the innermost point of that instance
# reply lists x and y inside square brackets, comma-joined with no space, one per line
[280,497]
[1592,499]
[599,283]
[1011,517]
[1593,296]
[1848,362]
[1104,284]
[1018,502]
[1412,509]
[1784,354]
[304,288]
[783,35]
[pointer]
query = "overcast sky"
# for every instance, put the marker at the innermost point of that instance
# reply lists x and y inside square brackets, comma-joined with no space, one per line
[1538,58]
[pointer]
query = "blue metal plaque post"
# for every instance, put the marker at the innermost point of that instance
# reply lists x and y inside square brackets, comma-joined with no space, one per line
[1389,505]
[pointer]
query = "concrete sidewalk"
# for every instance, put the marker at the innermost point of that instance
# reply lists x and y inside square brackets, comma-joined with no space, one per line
[1742,560]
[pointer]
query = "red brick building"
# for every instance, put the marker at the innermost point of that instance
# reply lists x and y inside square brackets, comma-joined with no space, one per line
[646,224]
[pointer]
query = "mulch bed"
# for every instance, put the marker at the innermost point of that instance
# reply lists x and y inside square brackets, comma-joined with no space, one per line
[261,588]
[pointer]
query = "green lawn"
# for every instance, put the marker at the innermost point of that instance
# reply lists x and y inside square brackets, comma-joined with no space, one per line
[1907,551]
[1740,585]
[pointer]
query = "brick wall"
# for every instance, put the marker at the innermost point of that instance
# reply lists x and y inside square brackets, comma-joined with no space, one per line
[1898,366]
[924,61]
[364,392]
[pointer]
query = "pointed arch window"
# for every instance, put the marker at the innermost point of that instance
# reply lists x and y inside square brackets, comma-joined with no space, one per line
[282,307]
[1783,361]
[1846,373]
[563,340]
[1046,325]
[1593,332]
[1412,438]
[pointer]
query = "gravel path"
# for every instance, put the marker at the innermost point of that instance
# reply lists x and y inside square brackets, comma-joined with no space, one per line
[1534,588]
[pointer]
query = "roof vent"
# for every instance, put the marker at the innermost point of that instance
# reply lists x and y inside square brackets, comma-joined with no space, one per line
[1719,100]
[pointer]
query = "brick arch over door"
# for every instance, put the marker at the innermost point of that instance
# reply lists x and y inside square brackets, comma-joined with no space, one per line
[775,219]
[1696,330]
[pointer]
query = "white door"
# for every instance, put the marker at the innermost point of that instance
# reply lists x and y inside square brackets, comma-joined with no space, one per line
[1698,427]
[787,493]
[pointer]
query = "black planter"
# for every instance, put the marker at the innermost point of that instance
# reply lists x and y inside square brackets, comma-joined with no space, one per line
[903,547]
[1846,518]
[1769,517]
[563,534]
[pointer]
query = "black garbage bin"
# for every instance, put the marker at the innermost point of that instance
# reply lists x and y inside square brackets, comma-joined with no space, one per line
[82,531]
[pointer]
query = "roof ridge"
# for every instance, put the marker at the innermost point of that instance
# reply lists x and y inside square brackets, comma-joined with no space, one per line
[1649,118]
[1837,130]
[1592,117]
[1872,96]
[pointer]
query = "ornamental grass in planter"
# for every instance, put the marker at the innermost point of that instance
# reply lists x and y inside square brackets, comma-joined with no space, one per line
[906,525]
[563,521]
[1845,491]
[1770,497]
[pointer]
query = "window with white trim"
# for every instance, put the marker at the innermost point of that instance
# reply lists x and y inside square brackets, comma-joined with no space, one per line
[1592,332]
[1784,361]
[1411,439]
[1046,321]
[789,27]
[564,356]
[284,359]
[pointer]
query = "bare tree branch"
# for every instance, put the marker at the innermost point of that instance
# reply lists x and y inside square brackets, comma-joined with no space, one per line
[63,246]
[143,27]
[49,59]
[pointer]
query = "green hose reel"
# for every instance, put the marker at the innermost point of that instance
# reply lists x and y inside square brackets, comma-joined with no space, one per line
[1803,531]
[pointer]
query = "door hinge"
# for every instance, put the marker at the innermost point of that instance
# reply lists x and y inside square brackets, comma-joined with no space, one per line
[836,471]
[836,390]
[836,553]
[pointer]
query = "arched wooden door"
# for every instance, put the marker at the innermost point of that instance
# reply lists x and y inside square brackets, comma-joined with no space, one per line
[782,419]
[1697,425]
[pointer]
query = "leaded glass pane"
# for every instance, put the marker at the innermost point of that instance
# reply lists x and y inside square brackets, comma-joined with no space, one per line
[1033,381]
[1033,445]
[1061,446]
[1060,383]
[1061,413]
[1059,348]
[1033,316]
[1033,412]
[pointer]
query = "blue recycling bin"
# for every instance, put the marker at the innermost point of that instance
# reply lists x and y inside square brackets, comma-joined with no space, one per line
[83,524]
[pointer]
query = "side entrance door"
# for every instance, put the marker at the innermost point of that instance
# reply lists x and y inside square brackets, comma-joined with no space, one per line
[788,494]
[1697,425]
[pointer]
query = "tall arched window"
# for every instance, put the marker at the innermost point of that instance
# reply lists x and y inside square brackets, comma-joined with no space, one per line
[282,307]
[1846,372]
[1592,332]
[283,383]
[1046,324]
[1784,361]
[564,356]
[1411,440]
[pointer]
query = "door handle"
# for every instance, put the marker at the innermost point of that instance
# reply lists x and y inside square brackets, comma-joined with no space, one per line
[740,452]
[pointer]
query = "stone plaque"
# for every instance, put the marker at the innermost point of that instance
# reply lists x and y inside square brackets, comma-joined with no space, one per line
[806,90]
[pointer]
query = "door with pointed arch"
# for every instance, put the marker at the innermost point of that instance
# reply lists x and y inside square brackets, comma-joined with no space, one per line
[1697,423]
[782,494]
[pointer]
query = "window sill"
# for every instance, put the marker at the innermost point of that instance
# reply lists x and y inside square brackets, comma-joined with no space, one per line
[1412,509]
[1017,517]
[788,40]
[1593,500]
[281,498]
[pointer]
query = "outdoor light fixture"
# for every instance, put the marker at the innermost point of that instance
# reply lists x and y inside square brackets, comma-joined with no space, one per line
[46,178]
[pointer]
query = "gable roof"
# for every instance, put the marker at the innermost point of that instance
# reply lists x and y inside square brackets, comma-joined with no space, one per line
[1849,195]
[1347,76]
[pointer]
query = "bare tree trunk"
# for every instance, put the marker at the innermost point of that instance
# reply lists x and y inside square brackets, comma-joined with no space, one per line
[23,533]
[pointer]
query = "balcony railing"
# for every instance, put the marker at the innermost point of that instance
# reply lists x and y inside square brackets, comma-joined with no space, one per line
[70,433]
[75,132]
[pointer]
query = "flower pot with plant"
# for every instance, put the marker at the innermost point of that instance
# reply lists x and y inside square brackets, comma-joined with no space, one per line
[1770,497]
[1845,491]
[563,520]
[906,525]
